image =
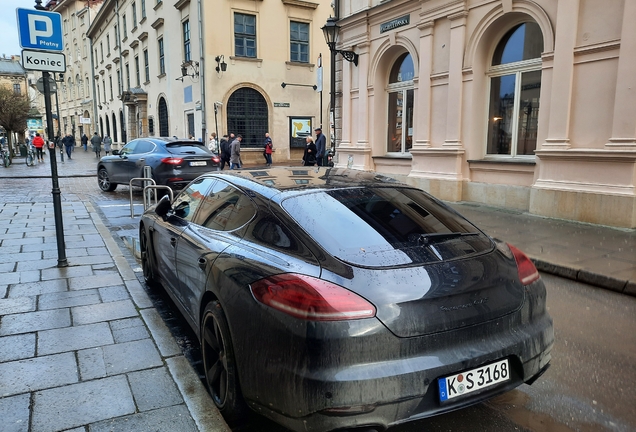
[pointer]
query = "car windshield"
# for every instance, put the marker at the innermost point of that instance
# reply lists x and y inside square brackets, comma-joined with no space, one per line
[388,226]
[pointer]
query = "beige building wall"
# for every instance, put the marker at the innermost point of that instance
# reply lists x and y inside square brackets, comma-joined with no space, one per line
[271,66]
[584,164]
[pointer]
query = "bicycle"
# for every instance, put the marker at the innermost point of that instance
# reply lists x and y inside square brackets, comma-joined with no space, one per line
[5,158]
[30,157]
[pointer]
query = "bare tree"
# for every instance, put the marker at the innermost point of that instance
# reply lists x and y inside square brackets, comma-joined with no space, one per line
[14,111]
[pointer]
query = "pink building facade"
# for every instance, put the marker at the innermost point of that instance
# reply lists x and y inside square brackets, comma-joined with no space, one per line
[522,104]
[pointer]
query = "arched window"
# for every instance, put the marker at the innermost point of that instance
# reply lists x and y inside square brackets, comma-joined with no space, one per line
[162,112]
[247,114]
[86,84]
[101,126]
[515,86]
[78,83]
[107,125]
[400,109]
[114,128]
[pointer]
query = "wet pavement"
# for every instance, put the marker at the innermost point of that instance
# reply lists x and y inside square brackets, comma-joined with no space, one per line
[92,329]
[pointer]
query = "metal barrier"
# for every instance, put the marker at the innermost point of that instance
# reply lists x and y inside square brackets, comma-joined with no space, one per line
[144,180]
[154,188]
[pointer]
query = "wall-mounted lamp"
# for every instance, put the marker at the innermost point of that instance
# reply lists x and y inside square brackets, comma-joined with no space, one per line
[221,66]
[184,69]
[331,30]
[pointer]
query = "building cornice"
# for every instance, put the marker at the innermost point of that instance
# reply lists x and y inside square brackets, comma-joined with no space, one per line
[301,4]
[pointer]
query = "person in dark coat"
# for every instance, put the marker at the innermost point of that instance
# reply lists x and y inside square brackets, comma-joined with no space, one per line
[85,142]
[69,142]
[225,151]
[309,157]
[321,144]
[96,142]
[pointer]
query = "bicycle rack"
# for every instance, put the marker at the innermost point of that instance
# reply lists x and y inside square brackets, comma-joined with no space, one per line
[154,188]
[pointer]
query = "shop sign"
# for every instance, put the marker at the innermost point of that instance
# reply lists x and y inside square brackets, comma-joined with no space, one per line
[393,24]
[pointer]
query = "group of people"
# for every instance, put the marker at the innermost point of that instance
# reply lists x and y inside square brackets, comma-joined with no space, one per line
[97,142]
[230,149]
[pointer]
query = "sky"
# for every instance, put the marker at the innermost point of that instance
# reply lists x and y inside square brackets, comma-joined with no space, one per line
[9,43]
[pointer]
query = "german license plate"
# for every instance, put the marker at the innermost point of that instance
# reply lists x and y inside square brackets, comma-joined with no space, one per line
[473,380]
[198,163]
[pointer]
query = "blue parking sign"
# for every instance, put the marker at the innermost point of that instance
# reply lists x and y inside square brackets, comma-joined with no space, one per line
[41,30]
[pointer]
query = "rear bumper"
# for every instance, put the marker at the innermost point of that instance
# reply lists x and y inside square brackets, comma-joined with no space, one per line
[334,393]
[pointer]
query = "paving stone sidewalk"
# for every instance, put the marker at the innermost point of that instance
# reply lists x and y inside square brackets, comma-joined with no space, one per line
[82,347]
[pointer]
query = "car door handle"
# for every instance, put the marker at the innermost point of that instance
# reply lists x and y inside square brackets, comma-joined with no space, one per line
[202,263]
[173,241]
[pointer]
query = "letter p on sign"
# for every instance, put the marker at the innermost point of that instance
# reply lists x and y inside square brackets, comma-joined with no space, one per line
[44,30]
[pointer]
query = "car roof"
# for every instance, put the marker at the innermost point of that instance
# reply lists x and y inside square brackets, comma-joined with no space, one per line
[293,180]
[166,140]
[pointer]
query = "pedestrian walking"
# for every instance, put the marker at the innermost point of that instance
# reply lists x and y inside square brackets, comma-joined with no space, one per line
[69,142]
[107,143]
[235,153]
[38,143]
[225,151]
[96,142]
[58,144]
[309,157]
[212,146]
[267,151]
[85,142]
[321,144]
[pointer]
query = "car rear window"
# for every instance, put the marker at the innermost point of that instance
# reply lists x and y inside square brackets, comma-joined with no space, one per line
[186,148]
[388,226]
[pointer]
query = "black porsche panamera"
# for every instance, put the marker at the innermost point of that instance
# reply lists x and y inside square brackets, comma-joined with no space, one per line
[333,299]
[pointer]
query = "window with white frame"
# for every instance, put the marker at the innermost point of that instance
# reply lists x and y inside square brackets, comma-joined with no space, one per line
[515,86]
[162,60]
[134,14]
[400,105]
[137,75]
[143,9]
[244,35]
[186,41]
[146,66]
[299,41]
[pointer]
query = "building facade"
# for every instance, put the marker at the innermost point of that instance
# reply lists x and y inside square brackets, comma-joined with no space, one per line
[74,98]
[154,77]
[524,104]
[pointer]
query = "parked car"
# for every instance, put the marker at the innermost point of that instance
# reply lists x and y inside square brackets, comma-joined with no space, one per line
[331,299]
[174,162]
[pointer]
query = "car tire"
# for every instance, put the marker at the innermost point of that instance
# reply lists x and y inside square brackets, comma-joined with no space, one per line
[219,364]
[103,180]
[147,259]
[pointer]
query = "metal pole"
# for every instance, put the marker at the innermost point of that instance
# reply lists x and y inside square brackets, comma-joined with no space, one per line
[57,203]
[332,90]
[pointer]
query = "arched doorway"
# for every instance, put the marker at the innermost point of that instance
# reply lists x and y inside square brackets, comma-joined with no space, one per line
[114,128]
[101,126]
[515,85]
[122,126]
[400,109]
[107,125]
[162,112]
[248,115]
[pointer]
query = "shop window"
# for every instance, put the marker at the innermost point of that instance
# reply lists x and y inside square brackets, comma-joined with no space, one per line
[515,87]
[400,108]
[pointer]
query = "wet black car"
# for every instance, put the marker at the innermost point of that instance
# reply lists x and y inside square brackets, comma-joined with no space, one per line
[174,162]
[337,299]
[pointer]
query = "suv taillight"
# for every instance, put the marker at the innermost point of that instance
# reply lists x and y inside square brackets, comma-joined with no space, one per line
[528,273]
[310,298]
[172,161]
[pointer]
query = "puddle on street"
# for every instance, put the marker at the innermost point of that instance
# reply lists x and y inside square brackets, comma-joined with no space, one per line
[133,245]
[514,402]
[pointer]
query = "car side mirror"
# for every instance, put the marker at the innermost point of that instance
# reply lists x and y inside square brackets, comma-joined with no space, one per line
[163,206]
[115,152]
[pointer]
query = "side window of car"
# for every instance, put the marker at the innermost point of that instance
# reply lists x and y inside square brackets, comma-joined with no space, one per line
[144,147]
[129,148]
[225,208]
[187,202]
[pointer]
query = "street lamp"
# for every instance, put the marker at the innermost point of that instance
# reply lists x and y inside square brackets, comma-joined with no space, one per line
[331,30]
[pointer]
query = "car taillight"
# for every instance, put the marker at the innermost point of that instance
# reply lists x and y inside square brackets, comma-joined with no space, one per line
[172,161]
[309,298]
[528,273]
[216,159]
